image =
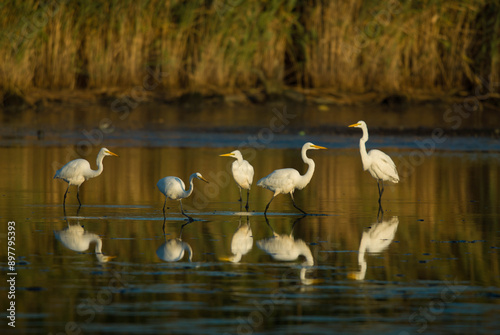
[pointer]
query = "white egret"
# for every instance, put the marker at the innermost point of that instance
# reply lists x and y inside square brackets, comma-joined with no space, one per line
[77,171]
[75,238]
[379,164]
[241,243]
[375,240]
[242,172]
[284,181]
[174,188]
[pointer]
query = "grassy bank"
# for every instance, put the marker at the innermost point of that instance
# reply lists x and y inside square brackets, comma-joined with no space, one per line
[395,47]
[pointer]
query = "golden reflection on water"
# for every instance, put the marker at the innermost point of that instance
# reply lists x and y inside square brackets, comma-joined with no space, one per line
[446,211]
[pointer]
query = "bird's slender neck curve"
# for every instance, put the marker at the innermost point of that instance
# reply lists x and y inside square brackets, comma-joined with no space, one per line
[188,192]
[362,148]
[100,166]
[306,178]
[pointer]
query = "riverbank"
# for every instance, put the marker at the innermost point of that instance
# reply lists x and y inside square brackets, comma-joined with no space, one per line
[325,99]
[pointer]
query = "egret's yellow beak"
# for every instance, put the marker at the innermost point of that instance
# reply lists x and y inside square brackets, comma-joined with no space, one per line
[317,146]
[112,153]
[226,155]
[206,181]
[225,259]
[354,125]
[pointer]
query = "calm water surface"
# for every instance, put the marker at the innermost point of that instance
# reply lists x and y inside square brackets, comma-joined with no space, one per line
[429,263]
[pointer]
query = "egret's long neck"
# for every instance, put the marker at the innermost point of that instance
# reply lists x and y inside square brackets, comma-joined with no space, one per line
[188,192]
[100,166]
[306,178]
[362,149]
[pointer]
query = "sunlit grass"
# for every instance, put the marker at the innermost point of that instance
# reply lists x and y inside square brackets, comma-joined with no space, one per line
[349,46]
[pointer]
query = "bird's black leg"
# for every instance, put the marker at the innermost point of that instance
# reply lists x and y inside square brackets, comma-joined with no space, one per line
[164,207]
[379,193]
[248,196]
[265,211]
[294,205]
[78,195]
[240,199]
[182,211]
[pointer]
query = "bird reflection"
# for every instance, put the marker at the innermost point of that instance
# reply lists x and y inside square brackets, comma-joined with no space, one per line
[374,240]
[283,247]
[241,243]
[74,237]
[172,250]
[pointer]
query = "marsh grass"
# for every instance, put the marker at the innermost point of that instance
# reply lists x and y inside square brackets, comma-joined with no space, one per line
[356,46]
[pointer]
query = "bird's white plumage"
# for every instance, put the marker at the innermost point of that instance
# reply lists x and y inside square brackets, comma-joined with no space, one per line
[287,180]
[74,172]
[77,171]
[382,167]
[172,187]
[243,174]
[282,181]
[379,164]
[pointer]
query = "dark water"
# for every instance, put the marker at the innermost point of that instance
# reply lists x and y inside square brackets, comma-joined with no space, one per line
[429,265]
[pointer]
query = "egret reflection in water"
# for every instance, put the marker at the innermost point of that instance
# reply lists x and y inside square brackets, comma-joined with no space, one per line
[283,247]
[172,250]
[76,238]
[374,240]
[242,241]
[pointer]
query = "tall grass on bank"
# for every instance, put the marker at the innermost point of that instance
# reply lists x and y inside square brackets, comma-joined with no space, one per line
[391,46]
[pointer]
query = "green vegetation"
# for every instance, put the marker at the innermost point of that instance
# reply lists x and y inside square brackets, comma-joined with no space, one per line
[350,46]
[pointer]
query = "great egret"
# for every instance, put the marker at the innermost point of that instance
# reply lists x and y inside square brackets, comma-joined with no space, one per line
[75,238]
[284,181]
[241,243]
[77,171]
[242,173]
[379,164]
[374,241]
[174,188]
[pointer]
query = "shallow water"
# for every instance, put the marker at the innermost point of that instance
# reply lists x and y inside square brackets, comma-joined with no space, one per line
[430,264]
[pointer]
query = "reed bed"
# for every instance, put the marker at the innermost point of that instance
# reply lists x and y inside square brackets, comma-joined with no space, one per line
[391,46]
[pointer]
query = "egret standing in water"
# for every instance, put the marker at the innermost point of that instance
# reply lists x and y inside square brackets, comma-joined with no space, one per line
[77,171]
[242,173]
[284,181]
[174,188]
[379,164]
